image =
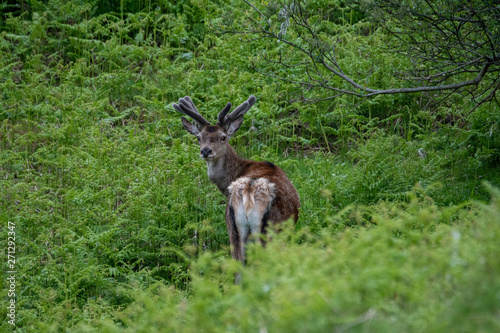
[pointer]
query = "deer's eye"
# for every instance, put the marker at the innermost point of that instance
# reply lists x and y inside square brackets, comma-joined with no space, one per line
[223,138]
[198,138]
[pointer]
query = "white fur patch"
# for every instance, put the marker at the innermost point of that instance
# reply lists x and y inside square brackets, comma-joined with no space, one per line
[250,199]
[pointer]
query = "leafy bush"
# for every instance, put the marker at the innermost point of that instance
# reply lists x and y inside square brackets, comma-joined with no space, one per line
[416,268]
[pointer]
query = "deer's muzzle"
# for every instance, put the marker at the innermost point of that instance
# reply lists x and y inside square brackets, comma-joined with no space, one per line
[205,152]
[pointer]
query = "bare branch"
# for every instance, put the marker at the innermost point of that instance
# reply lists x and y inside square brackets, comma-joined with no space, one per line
[451,44]
[264,16]
[488,98]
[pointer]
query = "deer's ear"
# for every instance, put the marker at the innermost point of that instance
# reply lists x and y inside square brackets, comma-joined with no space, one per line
[192,129]
[235,125]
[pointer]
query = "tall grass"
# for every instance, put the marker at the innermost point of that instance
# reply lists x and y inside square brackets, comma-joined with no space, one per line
[416,267]
[113,207]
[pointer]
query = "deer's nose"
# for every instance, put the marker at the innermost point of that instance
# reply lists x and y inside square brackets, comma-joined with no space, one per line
[205,152]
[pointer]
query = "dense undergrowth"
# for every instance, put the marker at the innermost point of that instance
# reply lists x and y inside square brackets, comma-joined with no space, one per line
[416,268]
[117,226]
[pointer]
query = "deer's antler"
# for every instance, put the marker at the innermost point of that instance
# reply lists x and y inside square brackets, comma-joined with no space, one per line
[224,120]
[186,106]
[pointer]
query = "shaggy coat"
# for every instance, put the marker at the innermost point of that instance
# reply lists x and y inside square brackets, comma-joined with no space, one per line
[259,193]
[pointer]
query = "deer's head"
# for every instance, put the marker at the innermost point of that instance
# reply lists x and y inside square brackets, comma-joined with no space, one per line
[213,139]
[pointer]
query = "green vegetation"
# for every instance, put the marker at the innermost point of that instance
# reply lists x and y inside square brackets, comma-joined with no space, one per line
[119,229]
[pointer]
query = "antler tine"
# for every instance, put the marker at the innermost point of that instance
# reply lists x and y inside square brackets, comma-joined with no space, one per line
[222,114]
[186,106]
[190,101]
[187,102]
[240,110]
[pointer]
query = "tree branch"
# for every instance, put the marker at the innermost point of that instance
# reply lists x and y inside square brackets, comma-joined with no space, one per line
[455,43]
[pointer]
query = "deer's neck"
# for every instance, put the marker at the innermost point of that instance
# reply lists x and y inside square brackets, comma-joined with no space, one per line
[224,170]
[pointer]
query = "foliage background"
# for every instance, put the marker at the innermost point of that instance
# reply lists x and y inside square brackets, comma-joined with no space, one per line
[118,228]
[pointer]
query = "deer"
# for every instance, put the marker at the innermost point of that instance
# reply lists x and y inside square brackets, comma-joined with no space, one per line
[259,193]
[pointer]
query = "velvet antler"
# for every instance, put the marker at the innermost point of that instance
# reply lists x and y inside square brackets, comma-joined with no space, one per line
[186,106]
[225,121]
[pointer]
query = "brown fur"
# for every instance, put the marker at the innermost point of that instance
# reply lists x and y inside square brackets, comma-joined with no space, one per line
[238,179]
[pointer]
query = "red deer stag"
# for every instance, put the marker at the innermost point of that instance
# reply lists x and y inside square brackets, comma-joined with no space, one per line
[259,193]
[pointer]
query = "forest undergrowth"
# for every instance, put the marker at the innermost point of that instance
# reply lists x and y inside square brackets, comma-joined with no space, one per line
[117,227]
